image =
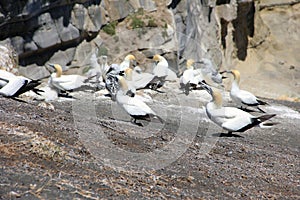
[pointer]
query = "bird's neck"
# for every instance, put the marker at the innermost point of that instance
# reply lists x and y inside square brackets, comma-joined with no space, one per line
[217,100]
[126,63]
[235,86]
[58,73]
[190,68]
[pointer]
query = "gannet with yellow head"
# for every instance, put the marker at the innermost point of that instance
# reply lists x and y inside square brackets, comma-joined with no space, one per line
[127,62]
[160,72]
[64,82]
[187,79]
[136,108]
[161,68]
[230,118]
[139,80]
[242,97]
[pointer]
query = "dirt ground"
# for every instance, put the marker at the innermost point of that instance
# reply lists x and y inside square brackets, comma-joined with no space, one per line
[44,155]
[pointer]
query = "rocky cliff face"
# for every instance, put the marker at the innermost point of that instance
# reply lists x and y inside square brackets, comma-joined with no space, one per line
[51,30]
[233,33]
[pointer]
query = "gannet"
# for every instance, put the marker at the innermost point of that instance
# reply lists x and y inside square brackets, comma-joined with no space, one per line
[136,108]
[5,76]
[230,118]
[111,84]
[126,62]
[160,72]
[209,71]
[242,97]
[64,82]
[13,86]
[138,80]
[190,77]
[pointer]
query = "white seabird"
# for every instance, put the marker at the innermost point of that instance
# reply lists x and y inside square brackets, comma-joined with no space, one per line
[139,80]
[242,97]
[230,118]
[136,108]
[126,63]
[13,86]
[190,77]
[161,68]
[160,72]
[64,82]
[5,76]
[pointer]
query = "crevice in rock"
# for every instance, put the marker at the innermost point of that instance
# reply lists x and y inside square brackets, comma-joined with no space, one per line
[224,32]
[243,27]
[173,4]
[220,2]
[271,5]
[42,55]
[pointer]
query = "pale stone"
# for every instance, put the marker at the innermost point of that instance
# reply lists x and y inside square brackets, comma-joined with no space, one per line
[34,72]
[47,34]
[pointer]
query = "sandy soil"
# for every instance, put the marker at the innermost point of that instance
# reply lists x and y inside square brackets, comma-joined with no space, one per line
[59,154]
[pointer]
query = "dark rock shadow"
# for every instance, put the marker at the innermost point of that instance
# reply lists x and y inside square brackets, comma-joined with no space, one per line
[227,135]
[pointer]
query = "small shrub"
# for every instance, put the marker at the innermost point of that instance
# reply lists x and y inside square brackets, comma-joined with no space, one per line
[140,11]
[110,28]
[102,51]
[152,23]
[136,22]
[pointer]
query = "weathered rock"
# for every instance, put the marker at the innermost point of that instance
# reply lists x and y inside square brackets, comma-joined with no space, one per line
[63,57]
[34,72]
[96,16]
[118,9]
[148,5]
[47,34]
[8,58]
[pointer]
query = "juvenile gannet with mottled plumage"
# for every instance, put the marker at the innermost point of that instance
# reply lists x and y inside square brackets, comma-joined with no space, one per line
[230,118]
[64,82]
[242,97]
[13,86]
[136,108]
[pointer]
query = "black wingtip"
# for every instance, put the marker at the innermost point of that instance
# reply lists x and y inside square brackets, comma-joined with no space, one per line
[262,102]
[265,117]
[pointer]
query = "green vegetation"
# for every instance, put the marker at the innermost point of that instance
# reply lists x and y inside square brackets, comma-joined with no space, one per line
[102,51]
[110,28]
[151,23]
[136,22]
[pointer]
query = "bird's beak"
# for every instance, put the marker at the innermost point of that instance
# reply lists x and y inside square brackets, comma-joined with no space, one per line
[200,62]
[51,65]
[206,87]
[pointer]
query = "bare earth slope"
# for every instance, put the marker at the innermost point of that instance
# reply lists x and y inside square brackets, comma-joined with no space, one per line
[42,157]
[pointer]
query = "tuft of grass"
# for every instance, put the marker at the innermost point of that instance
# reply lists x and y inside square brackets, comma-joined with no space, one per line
[102,51]
[137,22]
[110,28]
[152,23]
